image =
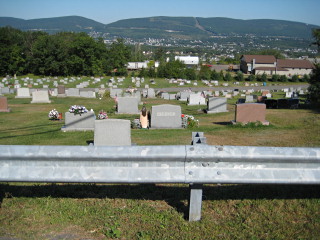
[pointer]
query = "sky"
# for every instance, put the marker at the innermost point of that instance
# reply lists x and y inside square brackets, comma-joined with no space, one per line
[107,11]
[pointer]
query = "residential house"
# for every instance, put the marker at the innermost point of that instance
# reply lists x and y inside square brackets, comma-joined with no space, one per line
[290,67]
[259,64]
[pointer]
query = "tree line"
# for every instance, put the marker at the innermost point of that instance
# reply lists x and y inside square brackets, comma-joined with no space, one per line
[61,54]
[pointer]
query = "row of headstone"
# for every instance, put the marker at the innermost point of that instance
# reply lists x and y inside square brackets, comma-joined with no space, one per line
[282,103]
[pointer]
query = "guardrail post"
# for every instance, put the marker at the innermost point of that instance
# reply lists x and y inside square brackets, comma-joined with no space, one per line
[195,202]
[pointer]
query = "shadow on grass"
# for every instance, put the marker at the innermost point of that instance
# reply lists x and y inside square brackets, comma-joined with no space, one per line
[222,123]
[174,195]
[36,129]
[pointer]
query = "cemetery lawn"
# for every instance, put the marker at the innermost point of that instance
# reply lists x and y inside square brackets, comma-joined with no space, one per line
[109,211]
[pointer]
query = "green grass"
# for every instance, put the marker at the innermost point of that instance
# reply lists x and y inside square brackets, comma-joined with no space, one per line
[109,211]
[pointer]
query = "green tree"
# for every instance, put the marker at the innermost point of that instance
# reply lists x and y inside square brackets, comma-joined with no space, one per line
[12,57]
[275,78]
[240,76]
[262,77]
[214,75]
[190,73]
[205,72]
[228,77]
[142,73]
[160,55]
[294,78]
[251,78]
[119,55]
[283,78]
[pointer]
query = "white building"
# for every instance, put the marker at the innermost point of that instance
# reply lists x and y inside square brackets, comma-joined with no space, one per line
[188,60]
[137,65]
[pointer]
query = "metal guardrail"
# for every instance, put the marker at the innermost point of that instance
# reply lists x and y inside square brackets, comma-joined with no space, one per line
[194,165]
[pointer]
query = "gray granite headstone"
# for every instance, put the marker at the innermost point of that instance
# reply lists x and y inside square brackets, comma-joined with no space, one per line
[76,122]
[23,93]
[249,98]
[183,96]
[73,92]
[151,93]
[6,90]
[112,132]
[87,94]
[196,99]
[115,92]
[128,105]
[40,97]
[166,116]
[216,105]
[165,96]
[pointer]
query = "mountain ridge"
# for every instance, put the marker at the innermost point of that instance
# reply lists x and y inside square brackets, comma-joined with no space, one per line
[166,27]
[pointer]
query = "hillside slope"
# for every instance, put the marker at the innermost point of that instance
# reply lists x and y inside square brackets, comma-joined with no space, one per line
[166,27]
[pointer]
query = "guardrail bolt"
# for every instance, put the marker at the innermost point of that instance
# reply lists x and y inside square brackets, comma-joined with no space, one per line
[190,172]
[219,173]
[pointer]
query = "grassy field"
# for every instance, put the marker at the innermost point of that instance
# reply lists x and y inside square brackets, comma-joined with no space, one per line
[105,211]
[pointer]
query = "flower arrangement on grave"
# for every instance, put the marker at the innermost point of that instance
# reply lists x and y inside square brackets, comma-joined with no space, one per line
[53,114]
[77,109]
[188,121]
[102,115]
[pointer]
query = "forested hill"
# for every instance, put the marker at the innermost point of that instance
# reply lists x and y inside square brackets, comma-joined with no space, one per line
[53,25]
[166,27]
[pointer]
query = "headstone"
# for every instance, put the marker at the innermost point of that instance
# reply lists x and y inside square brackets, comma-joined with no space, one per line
[216,105]
[128,105]
[166,116]
[115,92]
[137,94]
[73,92]
[251,112]
[184,96]
[112,132]
[151,93]
[294,103]
[271,103]
[4,105]
[196,99]
[172,96]
[54,92]
[241,100]
[6,90]
[77,122]
[40,97]
[61,89]
[283,103]
[87,94]
[165,96]
[288,94]
[249,98]
[261,99]
[23,93]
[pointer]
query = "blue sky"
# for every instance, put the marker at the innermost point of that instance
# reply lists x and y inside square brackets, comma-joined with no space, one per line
[107,11]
